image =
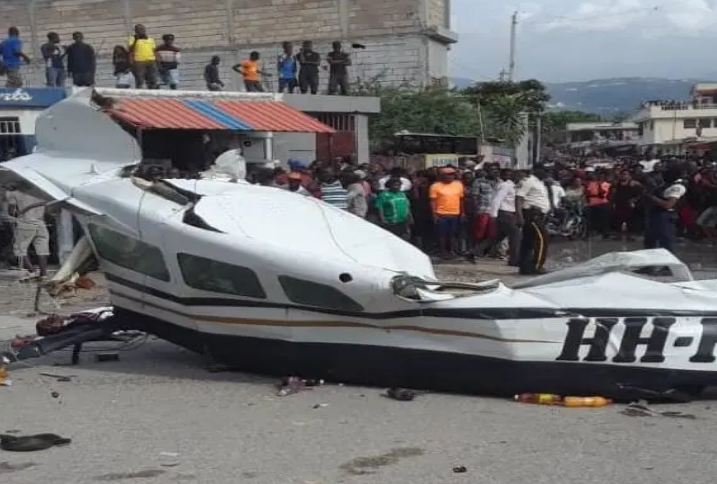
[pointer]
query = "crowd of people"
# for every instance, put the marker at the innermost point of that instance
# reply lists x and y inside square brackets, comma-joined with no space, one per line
[477,211]
[144,63]
[480,210]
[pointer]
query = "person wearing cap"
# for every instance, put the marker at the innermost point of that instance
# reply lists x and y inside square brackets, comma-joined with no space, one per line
[447,197]
[532,204]
[294,184]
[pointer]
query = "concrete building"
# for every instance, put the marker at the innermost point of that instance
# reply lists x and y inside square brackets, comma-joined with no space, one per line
[404,41]
[676,127]
[596,136]
[266,127]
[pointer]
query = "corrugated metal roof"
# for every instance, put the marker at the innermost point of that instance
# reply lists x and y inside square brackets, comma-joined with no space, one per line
[273,116]
[209,114]
[163,113]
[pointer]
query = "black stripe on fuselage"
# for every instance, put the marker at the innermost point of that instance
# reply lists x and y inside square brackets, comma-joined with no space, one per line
[496,313]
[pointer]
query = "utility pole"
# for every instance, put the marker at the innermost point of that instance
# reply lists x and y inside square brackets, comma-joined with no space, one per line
[511,61]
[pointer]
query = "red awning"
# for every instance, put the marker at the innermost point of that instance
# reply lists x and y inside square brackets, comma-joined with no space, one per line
[208,114]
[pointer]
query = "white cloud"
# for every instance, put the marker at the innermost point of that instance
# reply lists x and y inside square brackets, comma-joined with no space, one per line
[601,17]
[691,15]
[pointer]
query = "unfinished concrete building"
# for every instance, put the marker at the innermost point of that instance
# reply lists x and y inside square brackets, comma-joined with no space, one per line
[406,41]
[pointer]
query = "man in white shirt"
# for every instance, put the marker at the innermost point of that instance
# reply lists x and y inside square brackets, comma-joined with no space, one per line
[502,209]
[396,172]
[660,210]
[532,204]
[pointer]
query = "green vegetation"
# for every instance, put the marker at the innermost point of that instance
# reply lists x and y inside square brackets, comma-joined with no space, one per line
[498,110]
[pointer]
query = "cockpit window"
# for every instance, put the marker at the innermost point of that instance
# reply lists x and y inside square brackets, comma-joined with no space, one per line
[310,293]
[214,276]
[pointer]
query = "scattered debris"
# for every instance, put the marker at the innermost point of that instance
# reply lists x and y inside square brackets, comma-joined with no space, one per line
[564,401]
[121,476]
[5,372]
[169,459]
[368,465]
[290,386]
[105,357]
[295,384]
[460,469]
[55,395]
[217,368]
[63,378]
[321,405]
[401,394]
[640,409]
[31,443]
[6,467]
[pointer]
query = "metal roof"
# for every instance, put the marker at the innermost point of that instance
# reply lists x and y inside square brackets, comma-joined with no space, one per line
[215,114]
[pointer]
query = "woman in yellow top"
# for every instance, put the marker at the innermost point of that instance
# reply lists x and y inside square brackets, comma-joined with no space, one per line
[143,58]
[249,69]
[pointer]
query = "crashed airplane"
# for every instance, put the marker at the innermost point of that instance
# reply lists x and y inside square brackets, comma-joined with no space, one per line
[267,281]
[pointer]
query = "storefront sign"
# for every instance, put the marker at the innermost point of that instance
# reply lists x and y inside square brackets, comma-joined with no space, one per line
[439,160]
[31,97]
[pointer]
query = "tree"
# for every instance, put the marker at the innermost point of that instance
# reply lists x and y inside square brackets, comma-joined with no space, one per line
[530,94]
[507,107]
[427,110]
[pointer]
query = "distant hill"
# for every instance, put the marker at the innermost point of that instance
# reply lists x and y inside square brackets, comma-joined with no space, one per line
[609,96]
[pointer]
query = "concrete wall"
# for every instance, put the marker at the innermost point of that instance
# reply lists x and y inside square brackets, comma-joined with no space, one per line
[392,30]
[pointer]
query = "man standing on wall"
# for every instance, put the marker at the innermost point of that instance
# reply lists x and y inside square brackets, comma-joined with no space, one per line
[168,55]
[12,57]
[249,69]
[309,71]
[144,61]
[211,74]
[54,65]
[339,61]
[286,65]
[81,61]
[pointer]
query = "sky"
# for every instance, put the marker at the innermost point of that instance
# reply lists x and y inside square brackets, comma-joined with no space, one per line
[575,40]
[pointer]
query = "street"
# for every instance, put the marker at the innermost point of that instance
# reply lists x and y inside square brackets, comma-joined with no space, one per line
[158,416]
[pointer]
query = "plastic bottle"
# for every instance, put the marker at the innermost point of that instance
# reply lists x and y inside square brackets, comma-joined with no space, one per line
[539,398]
[586,402]
[4,372]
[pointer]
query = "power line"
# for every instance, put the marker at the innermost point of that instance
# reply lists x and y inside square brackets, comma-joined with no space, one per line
[566,19]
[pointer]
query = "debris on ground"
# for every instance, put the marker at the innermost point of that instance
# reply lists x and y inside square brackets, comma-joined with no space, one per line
[460,469]
[5,372]
[641,409]
[169,459]
[55,395]
[401,394]
[294,384]
[62,378]
[321,405]
[31,443]
[572,402]
[107,356]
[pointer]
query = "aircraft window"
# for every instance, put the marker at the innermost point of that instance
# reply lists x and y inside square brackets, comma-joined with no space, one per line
[319,295]
[210,275]
[128,252]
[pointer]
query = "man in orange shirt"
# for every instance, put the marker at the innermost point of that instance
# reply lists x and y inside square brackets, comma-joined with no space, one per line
[447,196]
[249,69]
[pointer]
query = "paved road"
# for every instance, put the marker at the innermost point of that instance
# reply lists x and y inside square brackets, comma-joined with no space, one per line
[230,428]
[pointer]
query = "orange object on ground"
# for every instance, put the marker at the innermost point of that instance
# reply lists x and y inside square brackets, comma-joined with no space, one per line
[586,402]
[539,398]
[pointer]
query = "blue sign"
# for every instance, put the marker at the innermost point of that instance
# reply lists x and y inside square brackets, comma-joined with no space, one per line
[31,97]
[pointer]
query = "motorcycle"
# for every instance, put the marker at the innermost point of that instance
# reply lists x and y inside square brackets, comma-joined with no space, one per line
[569,222]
